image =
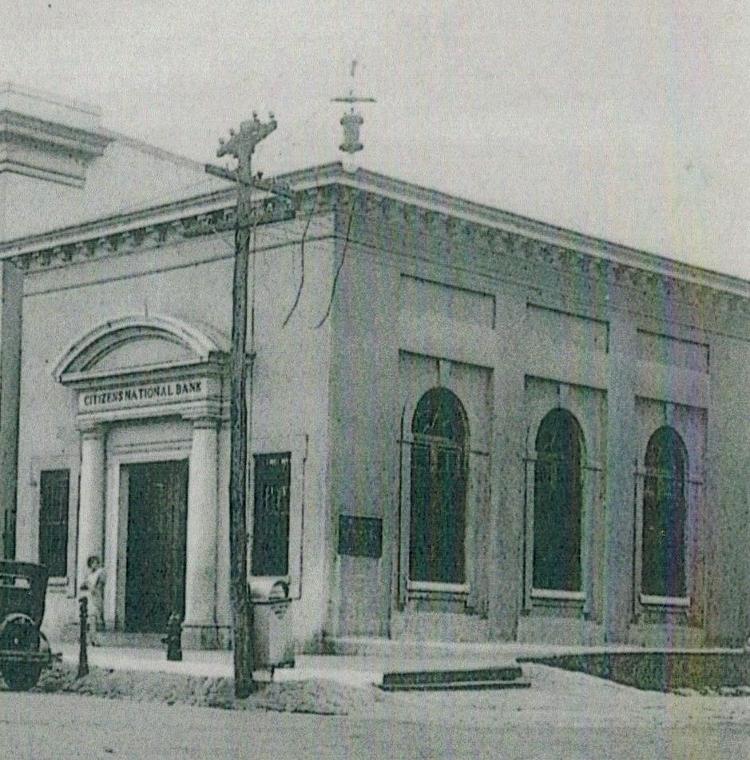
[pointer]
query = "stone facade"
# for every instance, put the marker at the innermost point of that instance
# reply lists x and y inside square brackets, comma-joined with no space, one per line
[375,296]
[627,342]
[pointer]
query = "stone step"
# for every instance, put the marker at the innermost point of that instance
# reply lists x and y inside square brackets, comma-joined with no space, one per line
[519,683]
[454,678]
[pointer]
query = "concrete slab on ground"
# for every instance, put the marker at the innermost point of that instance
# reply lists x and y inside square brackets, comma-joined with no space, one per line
[218,664]
[353,670]
[367,663]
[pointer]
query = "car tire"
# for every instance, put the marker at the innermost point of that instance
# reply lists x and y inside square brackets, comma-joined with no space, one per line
[21,676]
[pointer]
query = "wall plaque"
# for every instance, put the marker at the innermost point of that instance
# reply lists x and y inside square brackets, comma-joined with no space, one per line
[360,536]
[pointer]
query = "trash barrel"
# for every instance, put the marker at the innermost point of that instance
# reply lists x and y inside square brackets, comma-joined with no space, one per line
[273,645]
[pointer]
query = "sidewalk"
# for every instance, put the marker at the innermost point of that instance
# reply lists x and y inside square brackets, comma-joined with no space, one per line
[219,664]
[348,669]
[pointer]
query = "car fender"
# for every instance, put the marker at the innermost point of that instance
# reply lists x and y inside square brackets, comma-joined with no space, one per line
[44,645]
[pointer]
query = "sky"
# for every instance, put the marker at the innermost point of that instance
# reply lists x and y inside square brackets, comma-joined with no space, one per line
[626,119]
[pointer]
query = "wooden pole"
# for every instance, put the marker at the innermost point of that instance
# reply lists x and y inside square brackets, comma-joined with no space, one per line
[241,145]
[242,610]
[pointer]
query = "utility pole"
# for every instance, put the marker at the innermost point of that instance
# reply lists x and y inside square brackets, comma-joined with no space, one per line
[241,146]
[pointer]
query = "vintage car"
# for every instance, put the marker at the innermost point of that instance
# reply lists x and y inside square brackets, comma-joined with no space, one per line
[24,649]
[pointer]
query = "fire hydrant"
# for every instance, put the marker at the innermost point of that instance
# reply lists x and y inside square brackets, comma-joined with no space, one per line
[173,639]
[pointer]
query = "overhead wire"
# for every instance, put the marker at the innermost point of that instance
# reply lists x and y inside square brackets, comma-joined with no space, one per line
[302,265]
[341,264]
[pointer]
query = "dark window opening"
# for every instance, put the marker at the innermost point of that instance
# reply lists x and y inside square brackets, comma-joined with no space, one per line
[558,496]
[271,514]
[438,489]
[54,491]
[664,515]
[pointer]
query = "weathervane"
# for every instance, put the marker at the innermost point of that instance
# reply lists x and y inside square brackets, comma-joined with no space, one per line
[352,121]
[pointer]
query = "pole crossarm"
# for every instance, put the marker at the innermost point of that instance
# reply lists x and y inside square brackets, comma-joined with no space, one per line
[242,144]
[221,171]
[275,187]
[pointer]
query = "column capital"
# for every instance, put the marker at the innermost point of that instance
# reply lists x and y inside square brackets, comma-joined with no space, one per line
[204,422]
[91,430]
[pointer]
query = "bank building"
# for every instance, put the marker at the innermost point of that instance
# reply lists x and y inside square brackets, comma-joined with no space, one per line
[466,424]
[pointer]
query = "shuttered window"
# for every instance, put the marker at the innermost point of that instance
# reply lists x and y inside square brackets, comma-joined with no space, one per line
[54,492]
[271,514]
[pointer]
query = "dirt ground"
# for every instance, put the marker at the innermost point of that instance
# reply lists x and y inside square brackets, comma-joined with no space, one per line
[324,697]
[563,715]
[568,698]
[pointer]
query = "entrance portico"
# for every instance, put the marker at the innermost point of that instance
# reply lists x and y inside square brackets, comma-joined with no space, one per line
[149,396]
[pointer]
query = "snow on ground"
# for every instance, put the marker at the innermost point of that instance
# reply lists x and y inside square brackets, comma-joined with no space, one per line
[312,696]
[570,699]
[559,697]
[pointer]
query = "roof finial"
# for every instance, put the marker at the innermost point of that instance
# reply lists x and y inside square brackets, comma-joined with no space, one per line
[352,120]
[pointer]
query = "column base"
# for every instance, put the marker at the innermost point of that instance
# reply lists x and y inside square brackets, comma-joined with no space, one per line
[195,636]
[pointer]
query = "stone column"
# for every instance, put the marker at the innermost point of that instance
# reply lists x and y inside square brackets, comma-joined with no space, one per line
[91,512]
[200,576]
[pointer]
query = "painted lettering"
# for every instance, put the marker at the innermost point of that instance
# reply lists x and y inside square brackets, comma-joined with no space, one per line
[160,392]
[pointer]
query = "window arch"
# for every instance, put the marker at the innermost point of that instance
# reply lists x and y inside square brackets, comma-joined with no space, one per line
[438,489]
[664,516]
[558,499]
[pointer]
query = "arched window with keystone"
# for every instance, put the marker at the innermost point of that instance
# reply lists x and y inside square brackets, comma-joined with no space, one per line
[438,489]
[558,501]
[664,516]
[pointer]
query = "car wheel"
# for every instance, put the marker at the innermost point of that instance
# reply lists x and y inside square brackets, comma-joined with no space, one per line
[20,635]
[21,676]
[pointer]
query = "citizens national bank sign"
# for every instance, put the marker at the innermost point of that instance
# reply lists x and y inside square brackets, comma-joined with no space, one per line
[151,398]
[135,395]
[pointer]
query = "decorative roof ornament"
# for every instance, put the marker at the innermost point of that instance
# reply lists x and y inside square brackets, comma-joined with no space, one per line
[352,120]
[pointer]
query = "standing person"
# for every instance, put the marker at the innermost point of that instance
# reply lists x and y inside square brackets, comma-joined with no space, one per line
[93,585]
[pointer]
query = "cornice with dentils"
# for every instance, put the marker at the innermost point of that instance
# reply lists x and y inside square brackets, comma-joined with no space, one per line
[214,211]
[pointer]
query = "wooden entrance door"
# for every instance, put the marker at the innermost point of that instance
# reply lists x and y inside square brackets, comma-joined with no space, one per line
[157,534]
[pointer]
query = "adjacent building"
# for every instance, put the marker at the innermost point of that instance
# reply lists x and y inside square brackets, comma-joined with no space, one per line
[466,424]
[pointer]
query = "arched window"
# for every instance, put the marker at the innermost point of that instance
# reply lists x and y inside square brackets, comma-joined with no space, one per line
[557,503]
[664,514]
[438,489]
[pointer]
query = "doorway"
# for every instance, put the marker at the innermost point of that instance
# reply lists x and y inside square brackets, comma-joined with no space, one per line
[156,544]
